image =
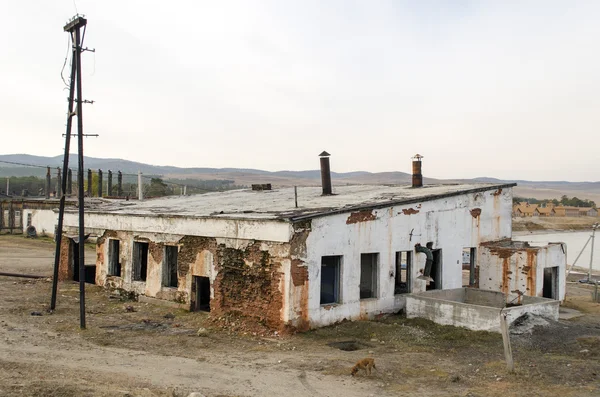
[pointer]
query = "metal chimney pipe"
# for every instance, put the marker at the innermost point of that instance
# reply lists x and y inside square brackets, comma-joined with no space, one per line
[417,176]
[325,173]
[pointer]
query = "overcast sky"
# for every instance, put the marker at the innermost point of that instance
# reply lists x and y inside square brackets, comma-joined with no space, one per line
[508,89]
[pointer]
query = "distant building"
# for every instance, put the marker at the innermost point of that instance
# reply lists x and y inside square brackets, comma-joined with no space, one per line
[546,211]
[588,211]
[524,209]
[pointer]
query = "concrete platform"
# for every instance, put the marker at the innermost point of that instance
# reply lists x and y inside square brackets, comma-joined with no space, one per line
[476,309]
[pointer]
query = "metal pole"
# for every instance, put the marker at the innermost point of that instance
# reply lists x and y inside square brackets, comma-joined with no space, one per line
[185,190]
[119,184]
[48,183]
[80,178]
[109,188]
[70,182]
[140,187]
[580,252]
[592,253]
[61,210]
[296,196]
[100,183]
[7,185]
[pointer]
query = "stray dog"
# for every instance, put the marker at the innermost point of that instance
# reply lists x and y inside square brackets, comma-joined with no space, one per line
[366,364]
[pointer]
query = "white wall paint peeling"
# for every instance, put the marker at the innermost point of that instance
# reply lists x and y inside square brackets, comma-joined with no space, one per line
[447,222]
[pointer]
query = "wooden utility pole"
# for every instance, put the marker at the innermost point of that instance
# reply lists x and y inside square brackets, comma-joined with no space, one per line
[74,29]
[510,365]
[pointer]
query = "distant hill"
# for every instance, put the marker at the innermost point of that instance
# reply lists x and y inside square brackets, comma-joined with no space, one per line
[244,176]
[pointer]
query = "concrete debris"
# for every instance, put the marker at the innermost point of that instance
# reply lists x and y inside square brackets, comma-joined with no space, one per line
[202,332]
[525,324]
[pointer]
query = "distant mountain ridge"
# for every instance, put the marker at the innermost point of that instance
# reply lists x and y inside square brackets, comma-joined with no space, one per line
[247,176]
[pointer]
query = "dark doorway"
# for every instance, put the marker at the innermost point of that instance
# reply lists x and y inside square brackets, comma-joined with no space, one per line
[75,260]
[89,270]
[140,261]
[550,287]
[200,294]
[403,274]
[436,270]
[114,264]
[469,273]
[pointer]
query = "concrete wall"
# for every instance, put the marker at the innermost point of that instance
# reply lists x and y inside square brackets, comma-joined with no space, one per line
[44,220]
[439,307]
[268,230]
[451,223]
[231,265]
[511,268]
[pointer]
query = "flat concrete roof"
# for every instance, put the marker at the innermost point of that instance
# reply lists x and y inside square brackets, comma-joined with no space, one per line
[278,204]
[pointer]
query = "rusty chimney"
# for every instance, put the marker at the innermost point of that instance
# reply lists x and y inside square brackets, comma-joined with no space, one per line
[325,173]
[417,176]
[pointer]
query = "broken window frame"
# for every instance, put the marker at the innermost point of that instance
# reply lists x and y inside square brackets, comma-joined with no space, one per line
[370,277]
[140,261]
[407,289]
[170,267]
[334,262]
[114,256]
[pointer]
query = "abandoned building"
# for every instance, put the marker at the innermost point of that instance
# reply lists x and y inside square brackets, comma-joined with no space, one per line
[313,256]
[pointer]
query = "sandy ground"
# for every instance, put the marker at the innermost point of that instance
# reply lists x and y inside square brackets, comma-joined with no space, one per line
[155,351]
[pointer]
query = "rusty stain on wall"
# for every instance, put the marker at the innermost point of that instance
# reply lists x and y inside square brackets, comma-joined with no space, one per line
[497,192]
[361,216]
[475,212]
[410,211]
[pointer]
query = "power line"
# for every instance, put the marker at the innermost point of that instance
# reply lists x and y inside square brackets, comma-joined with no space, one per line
[23,164]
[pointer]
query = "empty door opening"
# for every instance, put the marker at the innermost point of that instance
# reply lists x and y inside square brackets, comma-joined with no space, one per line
[89,270]
[200,294]
[75,259]
[436,270]
[469,256]
[550,286]
[403,274]
[140,261]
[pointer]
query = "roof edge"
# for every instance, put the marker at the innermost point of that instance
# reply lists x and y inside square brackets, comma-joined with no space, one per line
[397,202]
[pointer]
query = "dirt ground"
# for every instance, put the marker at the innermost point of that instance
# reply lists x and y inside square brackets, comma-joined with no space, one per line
[135,349]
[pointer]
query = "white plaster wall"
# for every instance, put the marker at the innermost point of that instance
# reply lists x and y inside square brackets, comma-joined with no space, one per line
[510,273]
[551,256]
[267,230]
[44,221]
[447,222]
